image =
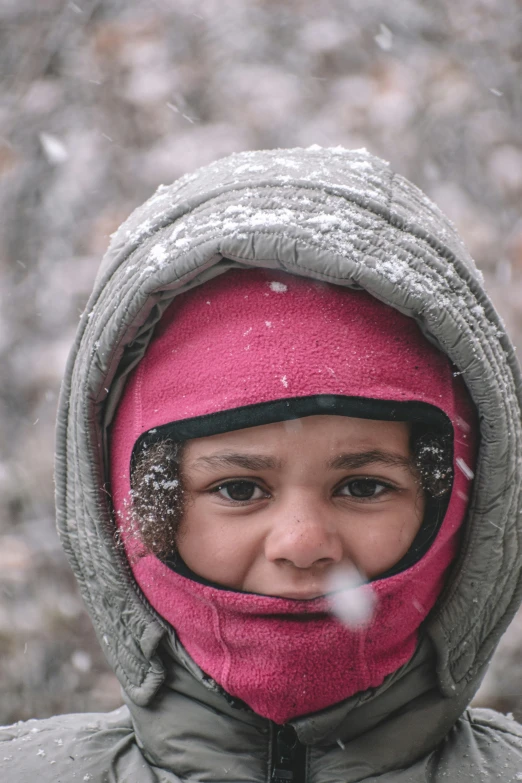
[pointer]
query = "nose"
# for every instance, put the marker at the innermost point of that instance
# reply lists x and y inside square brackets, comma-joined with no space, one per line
[304,535]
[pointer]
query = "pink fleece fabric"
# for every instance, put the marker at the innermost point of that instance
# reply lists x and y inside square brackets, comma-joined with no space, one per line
[256,336]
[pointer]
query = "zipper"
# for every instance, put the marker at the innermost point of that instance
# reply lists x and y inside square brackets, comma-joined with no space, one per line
[288,757]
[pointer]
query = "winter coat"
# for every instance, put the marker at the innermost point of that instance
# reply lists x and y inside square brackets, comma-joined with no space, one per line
[346,218]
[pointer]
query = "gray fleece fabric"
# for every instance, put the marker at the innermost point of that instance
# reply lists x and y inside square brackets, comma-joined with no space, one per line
[343,217]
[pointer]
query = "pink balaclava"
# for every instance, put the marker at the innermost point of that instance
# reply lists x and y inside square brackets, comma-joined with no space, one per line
[256,336]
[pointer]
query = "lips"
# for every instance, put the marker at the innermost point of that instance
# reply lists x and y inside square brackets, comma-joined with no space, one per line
[308,590]
[299,595]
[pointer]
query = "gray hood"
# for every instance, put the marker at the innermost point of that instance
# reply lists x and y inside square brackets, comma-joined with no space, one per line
[329,214]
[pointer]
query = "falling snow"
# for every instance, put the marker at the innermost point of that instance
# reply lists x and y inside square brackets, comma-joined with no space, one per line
[55,150]
[464,468]
[351,598]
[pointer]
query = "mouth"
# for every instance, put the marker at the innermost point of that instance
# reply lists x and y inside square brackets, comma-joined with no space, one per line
[301,595]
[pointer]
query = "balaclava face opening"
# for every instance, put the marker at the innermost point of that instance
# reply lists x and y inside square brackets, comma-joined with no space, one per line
[255,346]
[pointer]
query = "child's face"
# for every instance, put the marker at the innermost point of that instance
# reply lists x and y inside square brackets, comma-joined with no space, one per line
[272,509]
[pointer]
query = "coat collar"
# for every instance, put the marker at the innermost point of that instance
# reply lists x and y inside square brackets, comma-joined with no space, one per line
[192,725]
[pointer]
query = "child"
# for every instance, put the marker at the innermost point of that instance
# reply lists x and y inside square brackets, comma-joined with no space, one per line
[288,481]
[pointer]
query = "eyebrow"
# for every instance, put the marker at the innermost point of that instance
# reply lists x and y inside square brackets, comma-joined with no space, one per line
[360,459]
[233,460]
[345,461]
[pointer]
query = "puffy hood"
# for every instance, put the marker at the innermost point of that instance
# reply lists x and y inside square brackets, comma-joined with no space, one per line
[333,215]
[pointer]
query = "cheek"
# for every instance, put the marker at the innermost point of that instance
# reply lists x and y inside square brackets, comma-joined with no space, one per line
[220,551]
[382,541]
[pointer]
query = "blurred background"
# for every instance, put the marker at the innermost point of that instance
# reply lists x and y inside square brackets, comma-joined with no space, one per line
[100,102]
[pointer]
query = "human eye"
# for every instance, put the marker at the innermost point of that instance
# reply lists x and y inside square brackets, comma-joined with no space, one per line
[239,491]
[364,488]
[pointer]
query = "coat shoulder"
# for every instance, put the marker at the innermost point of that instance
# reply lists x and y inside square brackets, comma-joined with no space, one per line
[483,745]
[489,720]
[94,747]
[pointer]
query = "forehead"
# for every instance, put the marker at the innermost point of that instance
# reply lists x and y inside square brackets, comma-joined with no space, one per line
[320,433]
